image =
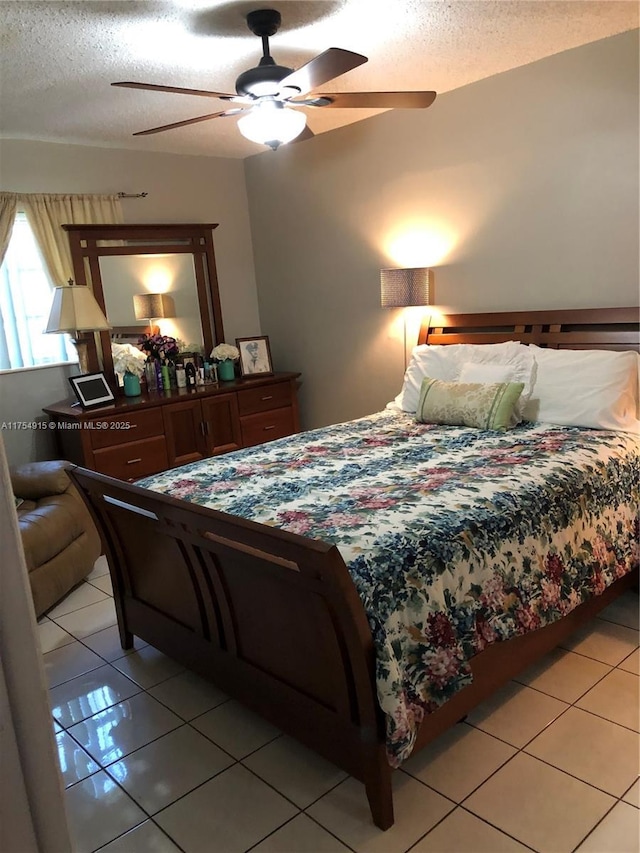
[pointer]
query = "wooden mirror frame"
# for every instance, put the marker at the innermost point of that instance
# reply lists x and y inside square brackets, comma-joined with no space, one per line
[192,239]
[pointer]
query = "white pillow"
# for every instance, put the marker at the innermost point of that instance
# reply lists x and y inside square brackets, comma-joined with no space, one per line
[445,362]
[473,371]
[588,388]
[517,366]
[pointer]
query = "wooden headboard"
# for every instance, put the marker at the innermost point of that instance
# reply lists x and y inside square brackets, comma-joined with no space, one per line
[131,334]
[580,328]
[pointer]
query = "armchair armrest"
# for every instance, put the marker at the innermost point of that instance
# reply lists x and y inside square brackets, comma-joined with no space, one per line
[35,480]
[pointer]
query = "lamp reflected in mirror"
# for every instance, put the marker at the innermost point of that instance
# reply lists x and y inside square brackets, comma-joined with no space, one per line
[152,307]
[75,310]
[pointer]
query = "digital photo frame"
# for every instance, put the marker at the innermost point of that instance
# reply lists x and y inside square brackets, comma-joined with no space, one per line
[91,389]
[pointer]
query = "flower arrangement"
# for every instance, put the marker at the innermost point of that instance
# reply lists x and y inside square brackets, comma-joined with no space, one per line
[159,346]
[127,359]
[225,352]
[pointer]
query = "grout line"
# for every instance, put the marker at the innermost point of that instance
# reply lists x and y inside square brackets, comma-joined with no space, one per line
[78,609]
[626,792]
[477,817]
[149,819]
[273,832]
[521,750]
[593,828]
[582,695]
[620,624]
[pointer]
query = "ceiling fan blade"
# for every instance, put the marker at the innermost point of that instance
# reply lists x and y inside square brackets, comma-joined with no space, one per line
[187,121]
[153,87]
[371,100]
[322,68]
[307,133]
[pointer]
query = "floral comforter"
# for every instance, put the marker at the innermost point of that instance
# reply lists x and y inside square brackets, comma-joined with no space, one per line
[455,538]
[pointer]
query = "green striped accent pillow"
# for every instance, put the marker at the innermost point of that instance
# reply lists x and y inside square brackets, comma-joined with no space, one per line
[482,405]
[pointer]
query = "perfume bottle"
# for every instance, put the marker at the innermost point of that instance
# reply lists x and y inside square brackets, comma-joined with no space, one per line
[173,383]
[166,382]
[190,372]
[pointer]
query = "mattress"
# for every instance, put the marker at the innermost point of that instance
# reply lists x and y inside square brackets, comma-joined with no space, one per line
[455,538]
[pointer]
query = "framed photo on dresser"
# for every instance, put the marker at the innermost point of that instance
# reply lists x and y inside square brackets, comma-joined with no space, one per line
[255,356]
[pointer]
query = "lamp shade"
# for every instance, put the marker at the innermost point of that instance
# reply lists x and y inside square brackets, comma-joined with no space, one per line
[152,306]
[74,309]
[401,288]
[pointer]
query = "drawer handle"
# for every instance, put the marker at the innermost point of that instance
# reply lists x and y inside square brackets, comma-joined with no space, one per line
[269,427]
[132,461]
[270,397]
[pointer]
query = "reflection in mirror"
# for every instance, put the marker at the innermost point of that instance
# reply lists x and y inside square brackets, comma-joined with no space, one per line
[126,276]
[119,262]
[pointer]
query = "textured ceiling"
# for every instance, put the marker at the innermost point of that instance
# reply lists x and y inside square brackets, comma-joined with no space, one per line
[57,59]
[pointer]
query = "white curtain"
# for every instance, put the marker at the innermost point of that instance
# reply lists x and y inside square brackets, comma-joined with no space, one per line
[48,213]
[8,207]
[32,811]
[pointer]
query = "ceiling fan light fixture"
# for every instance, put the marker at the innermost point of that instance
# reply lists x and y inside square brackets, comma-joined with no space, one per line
[271,123]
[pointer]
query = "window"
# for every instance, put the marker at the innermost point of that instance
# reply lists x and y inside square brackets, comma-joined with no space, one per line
[26,293]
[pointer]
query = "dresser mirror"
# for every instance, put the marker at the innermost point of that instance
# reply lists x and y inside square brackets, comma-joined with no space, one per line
[122,261]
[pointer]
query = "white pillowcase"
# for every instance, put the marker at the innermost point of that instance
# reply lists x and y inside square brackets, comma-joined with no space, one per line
[518,366]
[446,363]
[588,388]
[473,371]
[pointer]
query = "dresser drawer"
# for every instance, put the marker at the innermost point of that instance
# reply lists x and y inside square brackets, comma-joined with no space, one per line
[133,460]
[264,397]
[266,426]
[125,428]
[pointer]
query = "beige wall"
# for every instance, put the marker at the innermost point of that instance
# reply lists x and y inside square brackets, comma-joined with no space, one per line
[181,189]
[521,190]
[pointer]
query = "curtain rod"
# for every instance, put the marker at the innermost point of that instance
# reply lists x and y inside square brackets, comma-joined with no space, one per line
[132,195]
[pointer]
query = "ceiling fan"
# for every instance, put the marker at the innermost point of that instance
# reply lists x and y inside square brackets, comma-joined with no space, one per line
[267,93]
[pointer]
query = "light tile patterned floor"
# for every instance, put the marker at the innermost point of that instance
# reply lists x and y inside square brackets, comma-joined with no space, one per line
[156,759]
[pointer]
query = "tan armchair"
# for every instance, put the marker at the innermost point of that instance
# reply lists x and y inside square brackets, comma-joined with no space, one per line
[60,540]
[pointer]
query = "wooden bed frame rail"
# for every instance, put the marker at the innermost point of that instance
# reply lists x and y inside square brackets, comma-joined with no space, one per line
[275,620]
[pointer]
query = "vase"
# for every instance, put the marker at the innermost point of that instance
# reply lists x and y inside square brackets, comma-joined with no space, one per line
[226,370]
[150,375]
[131,384]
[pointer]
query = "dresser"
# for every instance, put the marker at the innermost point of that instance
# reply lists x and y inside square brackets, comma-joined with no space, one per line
[138,436]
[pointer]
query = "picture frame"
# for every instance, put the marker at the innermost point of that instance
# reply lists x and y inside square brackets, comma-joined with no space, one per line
[255,356]
[92,389]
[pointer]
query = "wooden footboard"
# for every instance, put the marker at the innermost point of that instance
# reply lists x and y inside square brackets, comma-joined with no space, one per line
[271,617]
[275,621]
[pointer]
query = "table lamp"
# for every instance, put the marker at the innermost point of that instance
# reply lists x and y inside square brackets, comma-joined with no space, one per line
[74,310]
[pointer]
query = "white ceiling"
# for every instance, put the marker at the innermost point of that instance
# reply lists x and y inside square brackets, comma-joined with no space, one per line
[57,59]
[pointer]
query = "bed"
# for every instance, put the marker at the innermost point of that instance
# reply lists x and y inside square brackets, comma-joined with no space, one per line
[364,586]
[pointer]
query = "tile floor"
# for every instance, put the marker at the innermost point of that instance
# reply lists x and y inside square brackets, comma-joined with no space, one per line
[156,759]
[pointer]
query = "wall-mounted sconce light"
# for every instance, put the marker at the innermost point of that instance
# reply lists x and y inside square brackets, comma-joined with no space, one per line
[404,288]
[153,306]
[74,309]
